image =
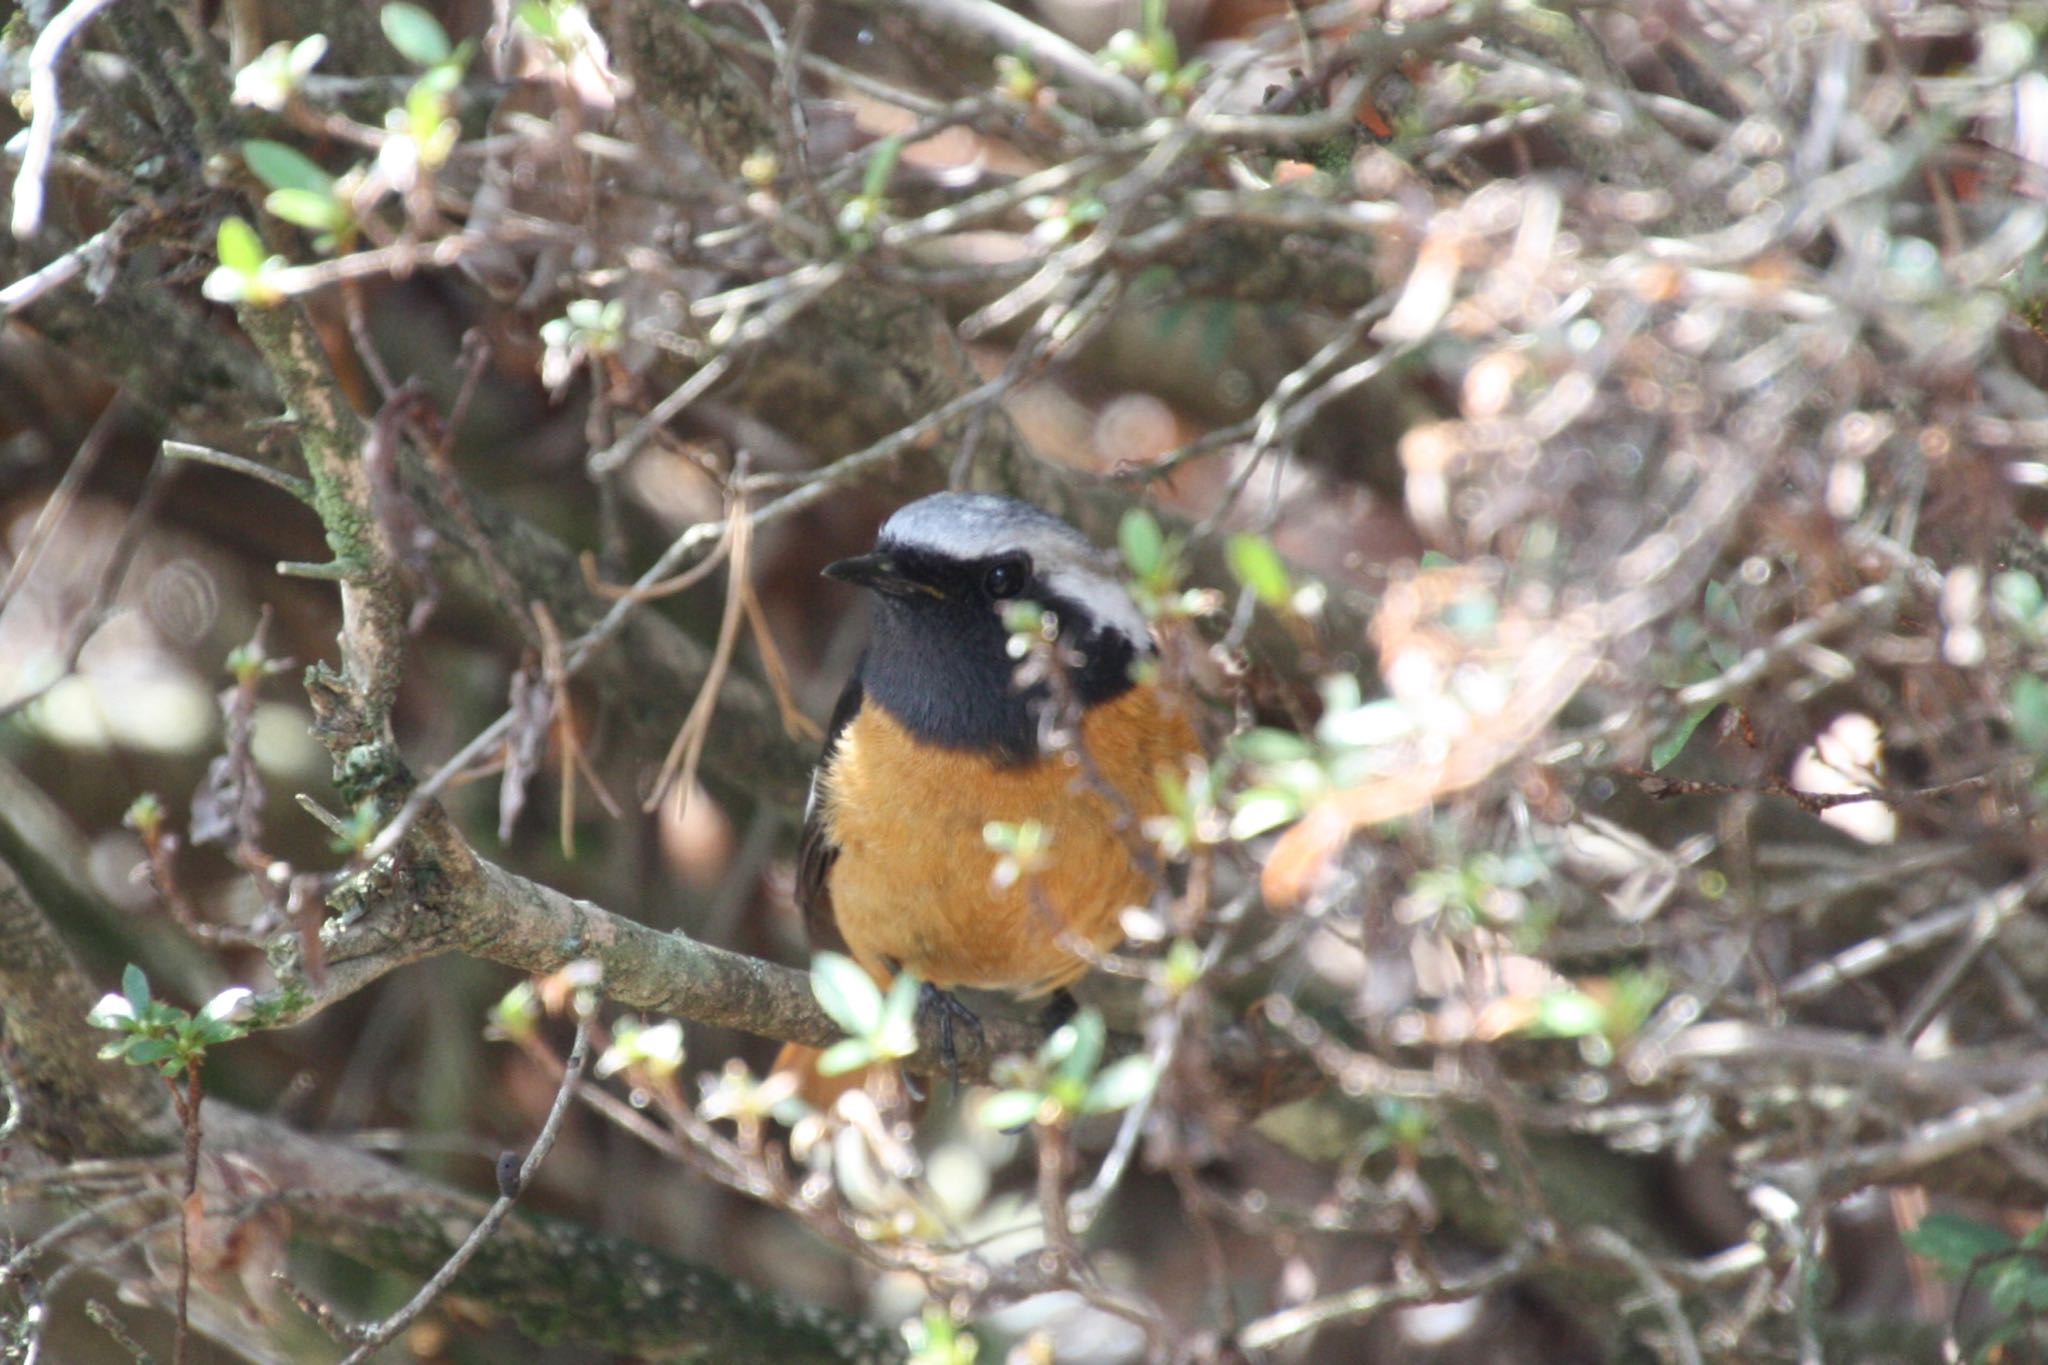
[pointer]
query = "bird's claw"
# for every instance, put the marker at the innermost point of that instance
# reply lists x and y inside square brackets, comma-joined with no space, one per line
[943,1005]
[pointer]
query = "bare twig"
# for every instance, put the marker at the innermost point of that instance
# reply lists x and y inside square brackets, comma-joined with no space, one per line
[373,1339]
[1366,1300]
[46,111]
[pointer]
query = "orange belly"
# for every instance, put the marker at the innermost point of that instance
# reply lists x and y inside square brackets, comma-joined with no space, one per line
[911,887]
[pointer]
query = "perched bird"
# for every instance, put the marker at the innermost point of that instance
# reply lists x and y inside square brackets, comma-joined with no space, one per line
[934,737]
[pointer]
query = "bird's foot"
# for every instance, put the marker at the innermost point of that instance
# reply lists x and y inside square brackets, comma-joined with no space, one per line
[951,1014]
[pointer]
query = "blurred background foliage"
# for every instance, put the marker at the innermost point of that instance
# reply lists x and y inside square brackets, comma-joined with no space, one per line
[1587,465]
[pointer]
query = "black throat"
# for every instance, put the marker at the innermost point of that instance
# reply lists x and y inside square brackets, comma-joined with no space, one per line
[943,670]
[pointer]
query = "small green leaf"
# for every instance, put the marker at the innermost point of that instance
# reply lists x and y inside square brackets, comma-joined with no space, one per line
[1568,1014]
[1675,739]
[896,1036]
[145,815]
[1266,745]
[1007,1109]
[1258,566]
[1263,809]
[2029,703]
[1142,542]
[135,987]
[847,993]
[2018,1285]
[1123,1083]
[881,165]
[1955,1243]
[238,247]
[539,20]
[844,1056]
[416,34]
[143,1051]
[2018,596]
[308,209]
[1083,1052]
[1721,605]
[425,109]
[285,168]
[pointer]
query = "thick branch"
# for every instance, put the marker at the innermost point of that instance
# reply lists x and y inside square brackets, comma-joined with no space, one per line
[75,1104]
[553,1277]
[440,896]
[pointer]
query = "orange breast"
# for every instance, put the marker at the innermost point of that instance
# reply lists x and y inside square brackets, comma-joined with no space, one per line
[912,884]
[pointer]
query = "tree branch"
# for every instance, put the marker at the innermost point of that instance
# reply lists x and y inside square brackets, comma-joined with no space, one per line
[77,1105]
[554,1278]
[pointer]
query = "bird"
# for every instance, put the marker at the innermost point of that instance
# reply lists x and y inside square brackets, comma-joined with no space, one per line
[938,733]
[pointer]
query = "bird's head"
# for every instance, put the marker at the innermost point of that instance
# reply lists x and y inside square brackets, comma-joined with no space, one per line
[943,571]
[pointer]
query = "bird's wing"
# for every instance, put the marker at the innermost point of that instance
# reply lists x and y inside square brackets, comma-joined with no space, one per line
[815,851]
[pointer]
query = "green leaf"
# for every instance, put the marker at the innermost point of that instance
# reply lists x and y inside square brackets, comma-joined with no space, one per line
[284,168]
[1083,1051]
[425,110]
[1263,809]
[844,1056]
[1007,1109]
[896,1035]
[1123,1083]
[1183,965]
[847,993]
[2018,595]
[238,247]
[416,34]
[320,212]
[143,1051]
[135,987]
[2018,1285]
[2029,703]
[539,20]
[1142,542]
[881,165]
[1675,739]
[1721,605]
[1266,745]
[1258,566]
[1569,1014]
[1955,1243]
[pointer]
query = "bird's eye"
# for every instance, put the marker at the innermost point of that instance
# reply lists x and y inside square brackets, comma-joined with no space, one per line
[1005,579]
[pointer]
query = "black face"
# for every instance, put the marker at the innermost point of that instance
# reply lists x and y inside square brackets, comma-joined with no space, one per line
[940,660]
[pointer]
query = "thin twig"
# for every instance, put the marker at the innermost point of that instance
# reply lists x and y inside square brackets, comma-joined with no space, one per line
[378,1336]
[62,498]
[1367,1300]
[277,478]
[46,111]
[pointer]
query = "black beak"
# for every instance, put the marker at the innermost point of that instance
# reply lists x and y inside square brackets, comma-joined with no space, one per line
[879,572]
